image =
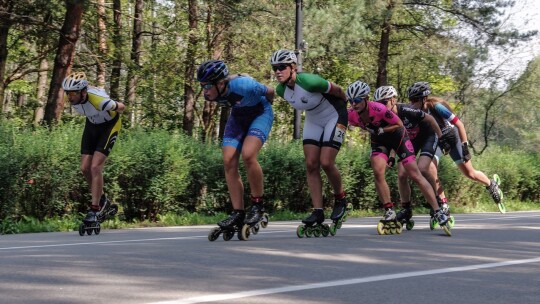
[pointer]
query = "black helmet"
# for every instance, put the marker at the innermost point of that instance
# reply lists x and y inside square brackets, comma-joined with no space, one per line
[418,90]
[212,71]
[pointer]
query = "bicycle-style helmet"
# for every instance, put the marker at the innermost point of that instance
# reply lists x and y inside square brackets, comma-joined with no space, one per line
[212,71]
[357,89]
[283,57]
[384,92]
[75,82]
[418,90]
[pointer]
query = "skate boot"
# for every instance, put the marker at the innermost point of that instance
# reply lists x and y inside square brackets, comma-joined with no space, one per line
[339,213]
[404,216]
[107,209]
[313,225]
[496,192]
[389,223]
[228,226]
[442,221]
[446,210]
[90,223]
[255,219]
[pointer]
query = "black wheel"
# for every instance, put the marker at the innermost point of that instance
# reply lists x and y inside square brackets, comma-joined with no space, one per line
[255,229]
[309,232]
[214,234]
[317,231]
[97,230]
[325,230]
[89,231]
[227,235]
[82,228]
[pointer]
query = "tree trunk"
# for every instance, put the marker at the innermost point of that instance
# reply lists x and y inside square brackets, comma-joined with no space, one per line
[382,58]
[189,64]
[135,61]
[102,44]
[69,35]
[117,40]
[5,25]
[41,89]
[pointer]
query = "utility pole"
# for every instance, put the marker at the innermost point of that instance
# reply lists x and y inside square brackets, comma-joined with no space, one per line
[297,121]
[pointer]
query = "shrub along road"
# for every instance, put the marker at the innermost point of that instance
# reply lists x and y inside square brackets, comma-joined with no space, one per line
[491,258]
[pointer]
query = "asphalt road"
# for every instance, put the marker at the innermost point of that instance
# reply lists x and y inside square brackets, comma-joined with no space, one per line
[490,258]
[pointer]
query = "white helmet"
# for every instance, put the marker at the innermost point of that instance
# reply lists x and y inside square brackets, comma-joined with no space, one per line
[384,92]
[283,57]
[358,89]
[75,82]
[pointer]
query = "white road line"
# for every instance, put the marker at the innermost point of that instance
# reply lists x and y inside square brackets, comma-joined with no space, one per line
[252,293]
[122,241]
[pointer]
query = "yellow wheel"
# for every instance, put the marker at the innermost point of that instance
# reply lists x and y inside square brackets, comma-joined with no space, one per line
[380,228]
[264,222]
[446,230]
[399,228]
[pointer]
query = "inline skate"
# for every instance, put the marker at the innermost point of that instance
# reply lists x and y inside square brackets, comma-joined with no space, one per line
[256,219]
[496,193]
[339,214]
[437,219]
[313,225]
[404,216]
[229,226]
[94,218]
[443,205]
[389,223]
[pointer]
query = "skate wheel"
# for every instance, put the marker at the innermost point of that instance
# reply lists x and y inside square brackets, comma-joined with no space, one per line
[227,235]
[97,230]
[255,229]
[82,228]
[339,224]
[325,230]
[214,234]
[409,225]
[497,179]
[264,222]
[446,230]
[399,228]
[432,223]
[451,222]
[333,229]
[380,228]
[309,232]
[317,231]
[89,231]
[244,234]
[300,231]
[502,207]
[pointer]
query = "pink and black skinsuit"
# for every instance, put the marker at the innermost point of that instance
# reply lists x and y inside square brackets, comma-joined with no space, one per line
[382,144]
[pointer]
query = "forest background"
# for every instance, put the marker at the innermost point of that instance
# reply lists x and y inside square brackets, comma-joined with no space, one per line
[167,160]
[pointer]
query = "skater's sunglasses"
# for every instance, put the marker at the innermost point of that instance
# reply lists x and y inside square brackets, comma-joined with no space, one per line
[355,104]
[280,67]
[207,86]
[72,93]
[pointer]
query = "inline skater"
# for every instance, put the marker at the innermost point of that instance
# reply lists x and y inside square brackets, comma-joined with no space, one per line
[324,130]
[423,132]
[455,134]
[246,131]
[101,130]
[388,133]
